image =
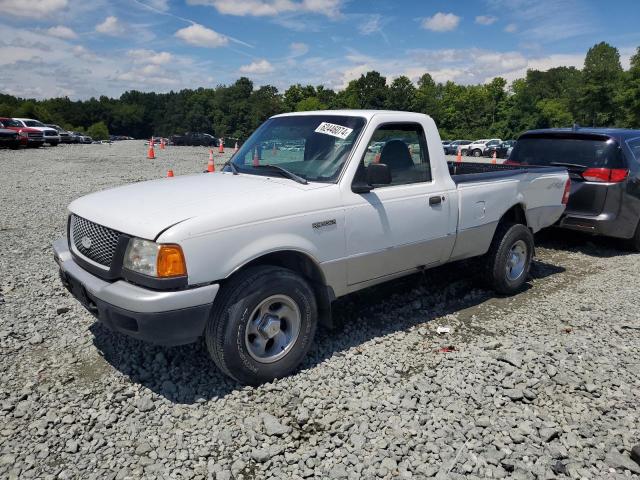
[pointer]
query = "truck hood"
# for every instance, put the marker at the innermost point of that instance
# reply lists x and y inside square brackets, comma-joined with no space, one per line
[146,209]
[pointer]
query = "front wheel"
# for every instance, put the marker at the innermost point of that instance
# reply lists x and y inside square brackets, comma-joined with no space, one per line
[507,263]
[477,153]
[262,324]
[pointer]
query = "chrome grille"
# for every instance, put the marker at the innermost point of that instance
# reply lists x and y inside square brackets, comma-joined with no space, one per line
[94,241]
[35,135]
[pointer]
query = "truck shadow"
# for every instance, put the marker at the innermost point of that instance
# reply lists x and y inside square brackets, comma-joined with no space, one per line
[187,375]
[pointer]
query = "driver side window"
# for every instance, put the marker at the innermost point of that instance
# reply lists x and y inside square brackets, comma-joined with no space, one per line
[403,148]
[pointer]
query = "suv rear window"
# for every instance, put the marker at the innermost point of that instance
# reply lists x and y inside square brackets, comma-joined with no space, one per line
[589,151]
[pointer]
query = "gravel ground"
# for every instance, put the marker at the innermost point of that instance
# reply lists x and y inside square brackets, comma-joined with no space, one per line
[541,385]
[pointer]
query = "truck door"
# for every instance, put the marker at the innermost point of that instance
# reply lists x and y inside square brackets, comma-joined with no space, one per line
[404,225]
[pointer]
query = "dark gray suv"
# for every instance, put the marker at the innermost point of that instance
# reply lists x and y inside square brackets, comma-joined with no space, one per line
[604,167]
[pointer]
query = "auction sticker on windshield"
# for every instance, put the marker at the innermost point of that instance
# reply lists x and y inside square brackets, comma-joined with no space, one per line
[334,130]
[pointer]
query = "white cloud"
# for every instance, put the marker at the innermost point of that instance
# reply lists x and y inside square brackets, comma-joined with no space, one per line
[110,26]
[371,25]
[31,8]
[547,21]
[298,49]
[441,22]
[162,5]
[142,55]
[272,8]
[259,67]
[61,31]
[511,28]
[201,36]
[485,19]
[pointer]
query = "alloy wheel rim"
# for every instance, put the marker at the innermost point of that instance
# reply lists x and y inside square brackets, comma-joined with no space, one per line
[516,260]
[273,328]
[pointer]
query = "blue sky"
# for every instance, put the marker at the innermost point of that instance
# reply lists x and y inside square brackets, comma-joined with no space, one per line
[82,48]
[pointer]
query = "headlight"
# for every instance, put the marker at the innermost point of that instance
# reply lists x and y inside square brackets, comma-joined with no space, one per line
[154,259]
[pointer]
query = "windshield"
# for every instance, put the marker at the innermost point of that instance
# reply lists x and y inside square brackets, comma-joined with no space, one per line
[314,147]
[11,123]
[585,151]
[33,123]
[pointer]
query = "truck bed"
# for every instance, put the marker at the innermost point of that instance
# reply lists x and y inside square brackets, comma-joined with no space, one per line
[464,172]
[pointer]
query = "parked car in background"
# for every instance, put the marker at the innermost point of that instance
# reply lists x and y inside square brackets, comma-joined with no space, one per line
[452,148]
[604,166]
[155,261]
[29,137]
[51,135]
[76,137]
[8,138]
[86,139]
[65,136]
[194,139]
[446,143]
[476,148]
[501,149]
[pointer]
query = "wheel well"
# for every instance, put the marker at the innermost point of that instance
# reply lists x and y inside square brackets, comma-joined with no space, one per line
[309,269]
[515,214]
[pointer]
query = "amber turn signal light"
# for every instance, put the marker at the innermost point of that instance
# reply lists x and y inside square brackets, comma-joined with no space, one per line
[171,262]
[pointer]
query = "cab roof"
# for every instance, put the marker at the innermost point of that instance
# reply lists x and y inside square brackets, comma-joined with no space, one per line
[367,114]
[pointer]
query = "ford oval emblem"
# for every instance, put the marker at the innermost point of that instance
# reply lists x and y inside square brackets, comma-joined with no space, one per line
[86,242]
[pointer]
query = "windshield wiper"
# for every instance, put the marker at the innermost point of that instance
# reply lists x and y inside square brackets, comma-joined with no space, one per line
[285,172]
[570,165]
[233,168]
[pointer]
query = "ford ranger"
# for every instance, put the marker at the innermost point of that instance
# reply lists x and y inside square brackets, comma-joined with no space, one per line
[251,257]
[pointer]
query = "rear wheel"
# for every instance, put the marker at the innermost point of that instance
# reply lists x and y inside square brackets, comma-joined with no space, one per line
[262,324]
[506,265]
[477,153]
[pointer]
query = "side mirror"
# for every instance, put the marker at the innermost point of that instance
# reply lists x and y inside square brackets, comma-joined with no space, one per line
[378,174]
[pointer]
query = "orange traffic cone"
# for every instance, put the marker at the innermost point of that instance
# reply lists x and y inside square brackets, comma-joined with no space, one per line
[211,167]
[170,174]
[459,156]
[151,142]
[494,157]
[376,159]
[256,159]
[235,149]
[151,154]
[162,144]
[221,146]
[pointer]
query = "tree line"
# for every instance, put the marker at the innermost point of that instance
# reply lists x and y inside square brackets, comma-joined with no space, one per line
[602,93]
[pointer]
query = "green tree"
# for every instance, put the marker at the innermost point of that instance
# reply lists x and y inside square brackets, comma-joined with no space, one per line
[98,131]
[401,94]
[631,93]
[602,75]
[308,104]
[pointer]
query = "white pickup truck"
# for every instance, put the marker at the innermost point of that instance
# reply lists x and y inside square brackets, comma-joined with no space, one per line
[252,257]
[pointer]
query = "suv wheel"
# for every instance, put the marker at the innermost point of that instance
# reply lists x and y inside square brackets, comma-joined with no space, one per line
[477,153]
[262,324]
[506,265]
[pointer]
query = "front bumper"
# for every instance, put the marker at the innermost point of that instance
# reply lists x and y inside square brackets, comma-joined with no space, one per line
[162,317]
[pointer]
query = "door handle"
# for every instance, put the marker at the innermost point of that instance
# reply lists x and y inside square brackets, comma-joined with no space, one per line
[435,200]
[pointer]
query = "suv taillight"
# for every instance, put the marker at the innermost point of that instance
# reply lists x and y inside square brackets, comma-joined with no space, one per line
[567,192]
[605,174]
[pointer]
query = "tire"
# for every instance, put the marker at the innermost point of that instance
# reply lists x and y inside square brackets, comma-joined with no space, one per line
[239,346]
[477,153]
[501,276]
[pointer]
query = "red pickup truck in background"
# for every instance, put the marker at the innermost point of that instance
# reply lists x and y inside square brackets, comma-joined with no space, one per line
[29,137]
